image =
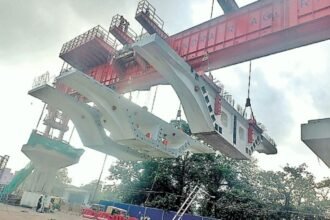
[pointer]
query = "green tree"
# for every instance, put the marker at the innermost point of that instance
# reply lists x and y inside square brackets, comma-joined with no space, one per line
[61,181]
[323,189]
[62,176]
[165,183]
[291,191]
[103,191]
[234,189]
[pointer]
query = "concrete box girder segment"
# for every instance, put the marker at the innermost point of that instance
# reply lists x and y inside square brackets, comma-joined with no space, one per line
[136,127]
[87,122]
[226,132]
[316,135]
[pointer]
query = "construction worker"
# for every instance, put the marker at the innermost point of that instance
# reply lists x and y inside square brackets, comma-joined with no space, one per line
[121,22]
[147,12]
[126,26]
[39,205]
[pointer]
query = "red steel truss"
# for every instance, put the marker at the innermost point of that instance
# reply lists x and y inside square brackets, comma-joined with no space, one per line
[259,29]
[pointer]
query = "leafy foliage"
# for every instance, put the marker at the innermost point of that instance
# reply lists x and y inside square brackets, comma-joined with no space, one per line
[62,179]
[233,189]
[101,191]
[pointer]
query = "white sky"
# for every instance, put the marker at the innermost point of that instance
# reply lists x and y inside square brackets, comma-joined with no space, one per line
[287,88]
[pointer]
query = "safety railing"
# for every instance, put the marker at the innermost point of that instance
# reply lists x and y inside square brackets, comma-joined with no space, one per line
[141,36]
[51,137]
[146,8]
[121,23]
[96,32]
[267,137]
[65,68]
[43,79]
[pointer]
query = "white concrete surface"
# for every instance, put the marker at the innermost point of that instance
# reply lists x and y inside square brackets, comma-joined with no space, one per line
[87,122]
[316,135]
[226,132]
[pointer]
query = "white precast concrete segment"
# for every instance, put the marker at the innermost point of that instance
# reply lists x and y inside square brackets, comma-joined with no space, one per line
[316,135]
[137,127]
[177,72]
[87,122]
[197,98]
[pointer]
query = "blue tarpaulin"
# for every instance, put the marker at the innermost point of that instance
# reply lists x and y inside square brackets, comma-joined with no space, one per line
[153,213]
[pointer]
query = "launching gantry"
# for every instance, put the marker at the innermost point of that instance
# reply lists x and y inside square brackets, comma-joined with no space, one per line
[108,122]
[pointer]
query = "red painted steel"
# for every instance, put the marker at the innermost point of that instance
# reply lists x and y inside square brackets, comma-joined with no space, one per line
[217,105]
[259,29]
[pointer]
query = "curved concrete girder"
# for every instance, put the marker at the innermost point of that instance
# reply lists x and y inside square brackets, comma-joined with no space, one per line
[175,70]
[110,115]
[178,73]
[197,97]
[87,122]
[143,130]
[81,114]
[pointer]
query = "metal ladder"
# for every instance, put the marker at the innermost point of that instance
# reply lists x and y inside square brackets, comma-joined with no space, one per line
[184,207]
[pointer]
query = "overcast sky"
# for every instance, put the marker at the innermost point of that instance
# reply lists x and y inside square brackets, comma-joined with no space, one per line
[287,88]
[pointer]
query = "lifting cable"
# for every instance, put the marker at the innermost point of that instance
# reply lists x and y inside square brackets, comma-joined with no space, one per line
[153,100]
[42,113]
[206,56]
[178,114]
[212,9]
[248,100]
[147,98]
[99,179]
[178,117]
[152,188]
[71,134]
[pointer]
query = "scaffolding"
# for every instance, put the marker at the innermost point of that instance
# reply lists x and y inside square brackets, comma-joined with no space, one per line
[119,27]
[3,164]
[144,7]
[96,32]
[147,17]
[90,49]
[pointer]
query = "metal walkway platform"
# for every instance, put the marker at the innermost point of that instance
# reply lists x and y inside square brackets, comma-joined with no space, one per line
[90,49]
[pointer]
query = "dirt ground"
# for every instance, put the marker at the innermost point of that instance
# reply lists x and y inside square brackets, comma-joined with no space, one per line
[18,213]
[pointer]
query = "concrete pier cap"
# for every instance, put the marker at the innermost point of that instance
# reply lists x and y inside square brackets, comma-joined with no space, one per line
[316,135]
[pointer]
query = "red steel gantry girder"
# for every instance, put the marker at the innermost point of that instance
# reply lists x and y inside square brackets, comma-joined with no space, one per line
[259,29]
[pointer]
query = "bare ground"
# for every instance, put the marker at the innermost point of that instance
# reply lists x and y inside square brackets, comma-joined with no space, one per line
[19,213]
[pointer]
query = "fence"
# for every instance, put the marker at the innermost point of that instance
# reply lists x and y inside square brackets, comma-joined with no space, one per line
[152,213]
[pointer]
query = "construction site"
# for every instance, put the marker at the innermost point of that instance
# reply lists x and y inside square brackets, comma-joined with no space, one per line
[106,70]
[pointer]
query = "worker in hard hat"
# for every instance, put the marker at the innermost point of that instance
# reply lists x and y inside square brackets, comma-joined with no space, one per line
[39,204]
[121,22]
